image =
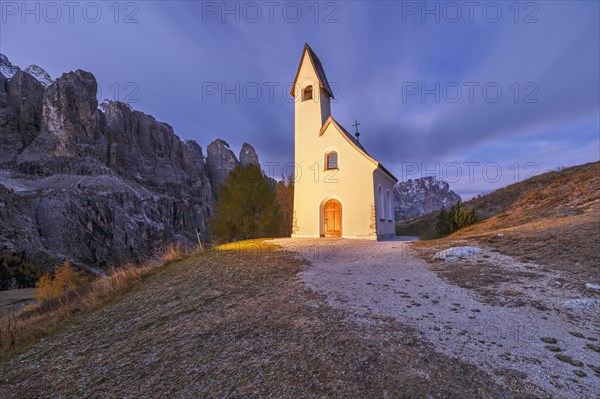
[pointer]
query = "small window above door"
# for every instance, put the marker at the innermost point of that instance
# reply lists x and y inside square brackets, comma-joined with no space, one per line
[331,160]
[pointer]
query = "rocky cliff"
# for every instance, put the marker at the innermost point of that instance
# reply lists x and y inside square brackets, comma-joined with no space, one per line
[97,185]
[414,198]
[21,99]
[248,155]
[220,160]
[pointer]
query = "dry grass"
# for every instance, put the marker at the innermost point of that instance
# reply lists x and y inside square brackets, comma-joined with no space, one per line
[21,329]
[546,192]
[568,244]
[58,303]
[60,281]
[236,322]
[173,253]
[423,227]
[552,219]
[478,274]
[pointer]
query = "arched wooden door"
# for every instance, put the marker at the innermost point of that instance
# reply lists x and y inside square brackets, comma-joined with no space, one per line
[333,219]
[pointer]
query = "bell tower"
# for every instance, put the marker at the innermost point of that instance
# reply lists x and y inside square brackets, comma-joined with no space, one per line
[312,105]
[312,108]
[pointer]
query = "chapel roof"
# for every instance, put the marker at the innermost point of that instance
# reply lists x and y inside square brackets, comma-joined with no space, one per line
[316,62]
[353,141]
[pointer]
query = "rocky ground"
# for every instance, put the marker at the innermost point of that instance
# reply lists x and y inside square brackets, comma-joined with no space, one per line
[523,324]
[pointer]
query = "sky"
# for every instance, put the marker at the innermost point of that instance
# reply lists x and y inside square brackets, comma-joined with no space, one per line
[481,94]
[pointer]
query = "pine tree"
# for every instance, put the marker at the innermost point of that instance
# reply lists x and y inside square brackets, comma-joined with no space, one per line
[248,207]
[444,224]
[455,218]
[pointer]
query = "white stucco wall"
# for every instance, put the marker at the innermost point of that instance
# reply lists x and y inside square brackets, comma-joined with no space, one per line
[386,226]
[354,184]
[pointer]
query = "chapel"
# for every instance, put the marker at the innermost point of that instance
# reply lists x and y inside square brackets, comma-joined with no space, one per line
[340,190]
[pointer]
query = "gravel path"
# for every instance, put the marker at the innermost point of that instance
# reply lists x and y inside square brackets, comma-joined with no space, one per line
[384,279]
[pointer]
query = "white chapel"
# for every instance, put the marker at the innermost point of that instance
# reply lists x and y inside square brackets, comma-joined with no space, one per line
[340,190]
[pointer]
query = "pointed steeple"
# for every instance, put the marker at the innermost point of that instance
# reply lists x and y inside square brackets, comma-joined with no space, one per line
[317,66]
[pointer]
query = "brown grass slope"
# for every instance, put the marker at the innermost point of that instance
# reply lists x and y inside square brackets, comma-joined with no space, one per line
[57,304]
[552,219]
[237,324]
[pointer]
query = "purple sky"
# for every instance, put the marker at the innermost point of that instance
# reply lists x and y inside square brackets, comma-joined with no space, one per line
[397,67]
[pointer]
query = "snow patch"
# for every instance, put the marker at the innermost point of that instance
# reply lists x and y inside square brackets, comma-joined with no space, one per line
[8,70]
[595,287]
[12,184]
[582,303]
[39,74]
[455,253]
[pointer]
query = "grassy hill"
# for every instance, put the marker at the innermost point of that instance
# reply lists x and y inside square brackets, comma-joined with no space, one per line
[236,322]
[552,219]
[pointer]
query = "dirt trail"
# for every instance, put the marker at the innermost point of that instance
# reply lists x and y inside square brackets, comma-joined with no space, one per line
[384,279]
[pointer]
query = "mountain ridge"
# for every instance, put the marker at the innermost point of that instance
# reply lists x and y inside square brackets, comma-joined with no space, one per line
[39,73]
[100,186]
[418,197]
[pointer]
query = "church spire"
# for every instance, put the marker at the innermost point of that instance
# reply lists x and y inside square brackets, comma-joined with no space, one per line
[317,66]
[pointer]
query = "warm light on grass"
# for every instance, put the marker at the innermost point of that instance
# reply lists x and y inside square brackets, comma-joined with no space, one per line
[247,245]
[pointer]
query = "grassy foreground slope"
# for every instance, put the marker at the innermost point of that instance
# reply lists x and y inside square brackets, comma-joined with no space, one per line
[552,219]
[236,323]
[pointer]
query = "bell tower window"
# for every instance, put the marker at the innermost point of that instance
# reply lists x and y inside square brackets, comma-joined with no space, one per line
[307,93]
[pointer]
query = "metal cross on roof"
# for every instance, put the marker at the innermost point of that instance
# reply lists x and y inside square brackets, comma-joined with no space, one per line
[356,124]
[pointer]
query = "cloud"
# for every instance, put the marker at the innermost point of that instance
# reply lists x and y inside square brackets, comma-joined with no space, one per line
[371,55]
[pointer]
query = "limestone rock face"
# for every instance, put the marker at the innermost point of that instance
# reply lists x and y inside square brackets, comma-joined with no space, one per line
[149,152]
[71,135]
[98,186]
[71,114]
[414,198]
[21,99]
[248,155]
[220,160]
[95,221]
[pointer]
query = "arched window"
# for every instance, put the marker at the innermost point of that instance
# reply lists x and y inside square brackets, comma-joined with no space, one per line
[390,206]
[381,204]
[331,160]
[307,93]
